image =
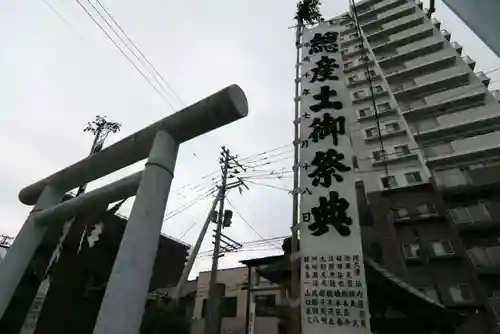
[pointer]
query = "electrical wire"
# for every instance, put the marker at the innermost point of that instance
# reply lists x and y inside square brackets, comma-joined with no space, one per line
[246,221]
[188,230]
[55,11]
[369,77]
[178,211]
[155,78]
[269,186]
[123,53]
[148,62]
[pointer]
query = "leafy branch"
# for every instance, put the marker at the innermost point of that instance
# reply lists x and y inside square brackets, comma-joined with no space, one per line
[308,12]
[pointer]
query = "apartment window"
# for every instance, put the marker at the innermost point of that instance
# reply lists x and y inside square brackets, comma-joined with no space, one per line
[265,305]
[400,213]
[358,46]
[378,89]
[429,292]
[379,155]
[372,74]
[413,177]
[383,107]
[352,78]
[359,94]
[371,132]
[442,247]
[363,59]
[365,112]
[228,307]
[389,182]
[401,150]
[460,293]
[411,251]
[347,64]
[392,127]
[426,209]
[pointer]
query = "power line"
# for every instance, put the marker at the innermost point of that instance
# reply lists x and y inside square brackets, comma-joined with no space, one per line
[246,222]
[188,230]
[178,211]
[134,45]
[123,52]
[55,11]
[269,186]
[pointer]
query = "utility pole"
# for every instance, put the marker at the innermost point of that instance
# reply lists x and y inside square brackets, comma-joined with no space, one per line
[189,265]
[294,296]
[213,314]
[229,245]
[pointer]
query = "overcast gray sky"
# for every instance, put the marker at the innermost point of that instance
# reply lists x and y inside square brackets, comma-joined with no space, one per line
[56,77]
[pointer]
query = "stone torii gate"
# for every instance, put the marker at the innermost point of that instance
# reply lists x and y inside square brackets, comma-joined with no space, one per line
[125,297]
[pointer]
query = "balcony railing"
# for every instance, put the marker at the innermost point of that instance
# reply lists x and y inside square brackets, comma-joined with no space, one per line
[436,23]
[496,94]
[484,78]
[446,34]
[457,47]
[470,214]
[469,61]
[485,259]
[495,306]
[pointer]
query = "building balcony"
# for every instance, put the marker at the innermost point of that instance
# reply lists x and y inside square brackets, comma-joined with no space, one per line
[457,47]
[403,72]
[456,131]
[469,61]
[394,158]
[394,27]
[357,64]
[485,259]
[446,34]
[439,156]
[478,217]
[353,50]
[484,78]
[380,7]
[413,89]
[381,113]
[392,42]
[396,56]
[494,303]
[436,23]
[496,94]
[385,134]
[371,25]
[468,180]
[419,109]
[348,40]
[361,79]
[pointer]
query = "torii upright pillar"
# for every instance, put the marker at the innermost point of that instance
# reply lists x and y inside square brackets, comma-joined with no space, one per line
[123,304]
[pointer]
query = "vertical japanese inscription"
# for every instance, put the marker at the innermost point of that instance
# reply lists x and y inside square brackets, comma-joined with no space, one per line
[335,295]
[327,166]
[333,290]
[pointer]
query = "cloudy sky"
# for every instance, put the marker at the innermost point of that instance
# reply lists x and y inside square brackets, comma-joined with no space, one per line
[58,71]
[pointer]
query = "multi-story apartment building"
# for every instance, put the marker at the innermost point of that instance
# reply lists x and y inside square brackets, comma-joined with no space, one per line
[429,158]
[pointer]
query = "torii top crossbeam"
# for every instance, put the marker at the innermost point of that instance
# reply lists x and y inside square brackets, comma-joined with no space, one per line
[219,109]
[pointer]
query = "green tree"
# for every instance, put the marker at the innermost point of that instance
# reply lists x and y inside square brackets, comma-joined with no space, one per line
[162,319]
[308,12]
